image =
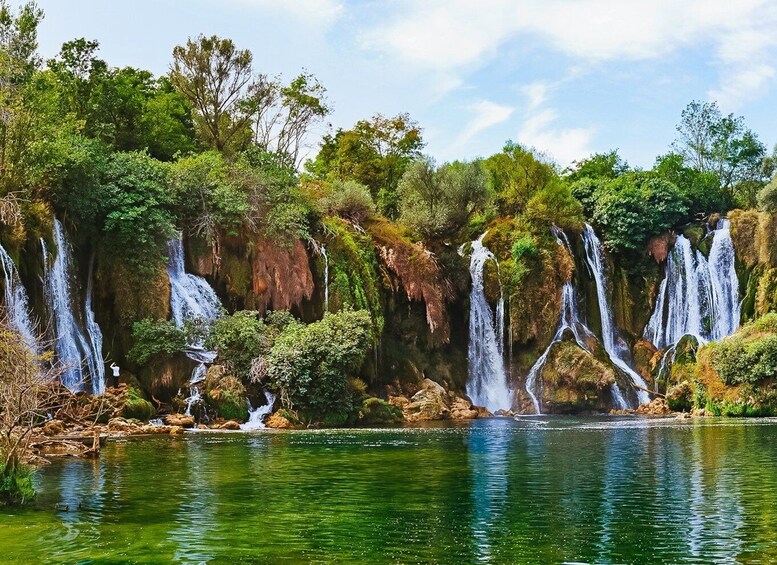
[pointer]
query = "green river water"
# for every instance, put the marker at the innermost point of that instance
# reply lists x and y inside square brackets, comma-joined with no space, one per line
[530,490]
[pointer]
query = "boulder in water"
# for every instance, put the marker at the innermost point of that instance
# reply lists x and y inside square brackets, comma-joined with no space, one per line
[181,420]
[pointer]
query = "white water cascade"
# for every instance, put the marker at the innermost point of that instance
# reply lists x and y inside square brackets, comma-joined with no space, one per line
[487,383]
[191,297]
[257,415]
[16,301]
[613,345]
[569,320]
[698,296]
[326,278]
[77,348]
[96,362]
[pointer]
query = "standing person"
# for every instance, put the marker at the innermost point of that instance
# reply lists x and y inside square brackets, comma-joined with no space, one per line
[116,372]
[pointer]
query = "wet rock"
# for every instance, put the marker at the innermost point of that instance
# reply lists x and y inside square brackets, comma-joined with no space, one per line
[508,413]
[483,412]
[429,403]
[656,407]
[228,425]
[176,430]
[461,409]
[399,401]
[180,420]
[123,426]
[279,422]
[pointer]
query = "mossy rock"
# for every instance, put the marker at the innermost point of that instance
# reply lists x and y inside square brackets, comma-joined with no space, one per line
[137,407]
[233,408]
[694,233]
[377,411]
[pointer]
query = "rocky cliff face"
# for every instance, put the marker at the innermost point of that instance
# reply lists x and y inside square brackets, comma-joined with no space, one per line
[418,299]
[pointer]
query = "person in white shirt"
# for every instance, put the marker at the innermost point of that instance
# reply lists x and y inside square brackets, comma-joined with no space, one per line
[116,373]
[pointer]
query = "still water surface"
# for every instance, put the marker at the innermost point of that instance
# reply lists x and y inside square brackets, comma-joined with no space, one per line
[497,491]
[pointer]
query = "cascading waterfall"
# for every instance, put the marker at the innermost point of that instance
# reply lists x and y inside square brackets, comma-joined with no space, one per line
[96,361]
[326,278]
[75,350]
[487,383]
[613,345]
[16,301]
[698,296]
[257,415]
[191,297]
[569,320]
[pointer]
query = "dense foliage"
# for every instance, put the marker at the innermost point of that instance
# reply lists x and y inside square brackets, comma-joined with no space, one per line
[312,366]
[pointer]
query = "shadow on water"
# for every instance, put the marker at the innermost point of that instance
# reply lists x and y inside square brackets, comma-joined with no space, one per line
[545,489]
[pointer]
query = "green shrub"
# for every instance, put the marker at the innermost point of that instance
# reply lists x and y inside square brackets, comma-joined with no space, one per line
[16,486]
[349,200]
[155,337]
[767,323]
[740,362]
[244,336]
[311,365]
[524,247]
[377,411]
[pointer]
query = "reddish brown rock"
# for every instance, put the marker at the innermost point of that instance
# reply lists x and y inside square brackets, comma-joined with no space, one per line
[181,420]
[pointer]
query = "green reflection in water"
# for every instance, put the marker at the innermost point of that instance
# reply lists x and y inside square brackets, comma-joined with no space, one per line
[498,491]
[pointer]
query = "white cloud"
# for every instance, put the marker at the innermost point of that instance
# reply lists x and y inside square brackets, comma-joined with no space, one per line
[486,114]
[565,145]
[538,128]
[447,35]
[321,13]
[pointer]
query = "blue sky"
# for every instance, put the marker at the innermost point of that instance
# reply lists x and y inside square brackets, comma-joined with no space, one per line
[568,77]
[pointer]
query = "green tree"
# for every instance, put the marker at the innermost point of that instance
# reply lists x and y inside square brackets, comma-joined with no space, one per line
[216,78]
[608,165]
[515,175]
[375,153]
[702,190]
[636,206]
[713,143]
[437,202]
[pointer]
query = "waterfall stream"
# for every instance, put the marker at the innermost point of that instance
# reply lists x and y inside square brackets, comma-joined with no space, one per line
[16,301]
[191,298]
[79,354]
[487,382]
[569,319]
[326,278]
[257,415]
[96,362]
[616,349]
[698,296]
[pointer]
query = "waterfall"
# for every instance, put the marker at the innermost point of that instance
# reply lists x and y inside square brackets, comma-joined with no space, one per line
[326,278]
[95,361]
[257,415]
[16,302]
[613,345]
[569,319]
[697,297]
[191,298]
[73,348]
[487,383]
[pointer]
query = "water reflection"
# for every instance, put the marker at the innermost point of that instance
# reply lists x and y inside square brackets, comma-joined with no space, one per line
[499,491]
[488,446]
